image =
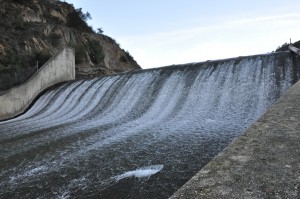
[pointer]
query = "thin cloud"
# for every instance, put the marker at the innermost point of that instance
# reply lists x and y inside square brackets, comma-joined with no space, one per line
[266,18]
[232,38]
[187,32]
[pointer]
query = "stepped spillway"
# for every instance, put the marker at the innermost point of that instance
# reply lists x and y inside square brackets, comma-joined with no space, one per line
[136,135]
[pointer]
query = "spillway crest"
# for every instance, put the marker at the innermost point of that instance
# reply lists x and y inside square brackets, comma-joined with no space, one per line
[136,135]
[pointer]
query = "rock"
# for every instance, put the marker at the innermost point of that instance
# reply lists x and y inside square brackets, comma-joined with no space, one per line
[29,27]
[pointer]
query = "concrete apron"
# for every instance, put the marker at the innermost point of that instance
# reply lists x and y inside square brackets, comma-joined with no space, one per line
[264,162]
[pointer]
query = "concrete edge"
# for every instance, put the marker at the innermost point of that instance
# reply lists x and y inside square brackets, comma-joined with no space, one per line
[264,162]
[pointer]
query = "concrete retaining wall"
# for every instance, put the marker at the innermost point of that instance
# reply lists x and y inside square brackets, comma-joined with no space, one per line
[262,163]
[61,67]
[294,49]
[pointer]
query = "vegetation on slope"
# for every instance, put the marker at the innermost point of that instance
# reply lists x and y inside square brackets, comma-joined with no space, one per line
[31,31]
[285,46]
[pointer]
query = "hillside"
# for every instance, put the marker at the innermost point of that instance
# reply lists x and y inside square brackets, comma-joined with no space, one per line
[31,31]
[285,46]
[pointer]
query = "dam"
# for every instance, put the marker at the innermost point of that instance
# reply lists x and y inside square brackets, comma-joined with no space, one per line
[141,134]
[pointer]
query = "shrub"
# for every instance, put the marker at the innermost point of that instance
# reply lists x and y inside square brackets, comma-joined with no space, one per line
[83,16]
[99,31]
[4,69]
[123,59]
[13,60]
[18,61]
[22,1]
[19,24]
[42,57]
[80,53]
[29,3]
[284,47]
[95,51]
[54,39]
[128,55]
[77,20]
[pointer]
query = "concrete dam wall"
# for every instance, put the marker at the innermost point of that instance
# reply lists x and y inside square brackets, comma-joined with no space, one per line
[59,68]
[142,134]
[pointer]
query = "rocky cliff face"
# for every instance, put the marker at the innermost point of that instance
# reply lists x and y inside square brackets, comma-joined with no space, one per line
[33,30]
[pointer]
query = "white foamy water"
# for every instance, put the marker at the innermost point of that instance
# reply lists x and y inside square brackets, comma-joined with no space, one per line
[78,135]
[143,172]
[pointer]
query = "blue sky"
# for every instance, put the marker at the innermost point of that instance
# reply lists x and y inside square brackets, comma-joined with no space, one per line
[164,32]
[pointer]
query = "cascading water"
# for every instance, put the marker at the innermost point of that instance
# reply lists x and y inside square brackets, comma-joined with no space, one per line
[136,135]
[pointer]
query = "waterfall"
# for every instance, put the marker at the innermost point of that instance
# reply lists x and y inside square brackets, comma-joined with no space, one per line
[76,137]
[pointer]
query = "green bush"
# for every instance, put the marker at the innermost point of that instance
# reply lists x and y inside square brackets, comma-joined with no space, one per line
[19,24]
[77,20]
[95,51]
[123,59]
[99,31]
[42,57]
[2,68]
[284,47]
[128,55]
[23,1]
[80,53]
[29,3]
[93,48]
[54,39]
[18,61]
